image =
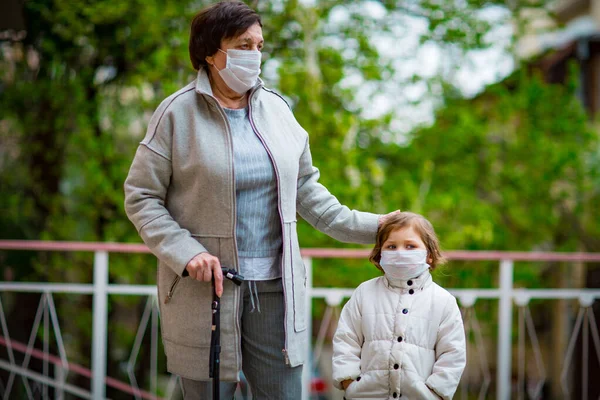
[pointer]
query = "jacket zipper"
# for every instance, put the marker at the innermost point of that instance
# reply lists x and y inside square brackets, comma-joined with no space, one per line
[284,350]
[235,249]
[172,289]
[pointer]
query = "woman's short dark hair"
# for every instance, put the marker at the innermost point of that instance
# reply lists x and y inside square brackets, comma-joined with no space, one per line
[224,20]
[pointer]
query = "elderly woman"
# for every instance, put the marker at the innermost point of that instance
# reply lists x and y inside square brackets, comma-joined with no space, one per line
[217,181]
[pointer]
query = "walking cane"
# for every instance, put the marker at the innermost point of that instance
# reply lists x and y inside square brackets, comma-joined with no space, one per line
[215,335]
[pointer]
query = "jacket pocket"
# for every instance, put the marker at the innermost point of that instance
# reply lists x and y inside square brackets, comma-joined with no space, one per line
[420,390]
[298,277]
[185,304]
[172,288]
[366,386]
[352,391]
[415,387]
[186,316]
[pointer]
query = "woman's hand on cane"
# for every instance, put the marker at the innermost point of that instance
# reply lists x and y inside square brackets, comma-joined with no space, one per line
[203,267]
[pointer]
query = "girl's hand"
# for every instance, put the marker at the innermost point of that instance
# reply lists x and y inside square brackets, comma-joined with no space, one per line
[347,383]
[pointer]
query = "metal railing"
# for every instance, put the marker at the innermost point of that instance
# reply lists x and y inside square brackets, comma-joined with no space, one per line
[100,289]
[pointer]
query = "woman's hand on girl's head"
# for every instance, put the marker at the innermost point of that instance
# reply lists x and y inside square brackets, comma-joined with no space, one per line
[347,383]
[385,217]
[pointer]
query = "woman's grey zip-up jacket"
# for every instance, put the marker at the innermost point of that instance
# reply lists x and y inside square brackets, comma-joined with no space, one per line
[180,195]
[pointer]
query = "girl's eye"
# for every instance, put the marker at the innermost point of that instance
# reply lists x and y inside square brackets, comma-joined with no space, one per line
[410,246]
[391,246]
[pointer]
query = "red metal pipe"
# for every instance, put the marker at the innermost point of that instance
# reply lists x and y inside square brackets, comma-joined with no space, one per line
[78,369]
[43,245]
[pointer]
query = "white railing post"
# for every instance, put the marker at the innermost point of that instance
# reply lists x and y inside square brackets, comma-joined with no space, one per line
[503,375]
[59,377]
[307,370]
[100,319]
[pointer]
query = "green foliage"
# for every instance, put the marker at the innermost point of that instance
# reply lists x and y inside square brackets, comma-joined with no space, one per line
[505,171]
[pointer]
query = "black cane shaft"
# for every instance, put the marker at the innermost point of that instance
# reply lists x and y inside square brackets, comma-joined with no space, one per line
[215,335]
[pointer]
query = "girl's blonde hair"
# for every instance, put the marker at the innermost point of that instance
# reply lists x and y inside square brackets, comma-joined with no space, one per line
[421,225]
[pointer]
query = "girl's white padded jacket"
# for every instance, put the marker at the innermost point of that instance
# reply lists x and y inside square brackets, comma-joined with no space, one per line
[400,339]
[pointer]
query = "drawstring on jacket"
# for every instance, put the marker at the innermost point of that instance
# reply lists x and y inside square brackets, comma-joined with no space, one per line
[253,295]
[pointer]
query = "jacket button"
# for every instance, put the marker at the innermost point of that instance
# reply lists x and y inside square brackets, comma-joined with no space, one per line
[394,395]
[399,338]
[357,378]
[409,283]
[405,311]
[396,366]
[411,291]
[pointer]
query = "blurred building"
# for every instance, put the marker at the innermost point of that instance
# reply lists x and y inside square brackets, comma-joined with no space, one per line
[11,19]
[551,48]
[540,32]
[569,10]
[576,39]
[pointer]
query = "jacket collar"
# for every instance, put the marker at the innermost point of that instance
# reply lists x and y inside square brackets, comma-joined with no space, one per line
[203,83]
[419,282]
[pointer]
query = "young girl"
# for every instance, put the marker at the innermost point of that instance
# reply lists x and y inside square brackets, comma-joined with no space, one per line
[400,335]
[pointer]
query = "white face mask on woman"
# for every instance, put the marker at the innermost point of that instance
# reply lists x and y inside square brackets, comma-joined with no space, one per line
[242,69]
[403,264]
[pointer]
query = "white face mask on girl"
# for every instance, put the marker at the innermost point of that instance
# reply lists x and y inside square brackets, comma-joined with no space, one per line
[403,264]
[242,69]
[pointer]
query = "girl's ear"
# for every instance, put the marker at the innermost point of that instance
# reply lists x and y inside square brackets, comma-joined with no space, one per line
[210,60]
[429,260]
